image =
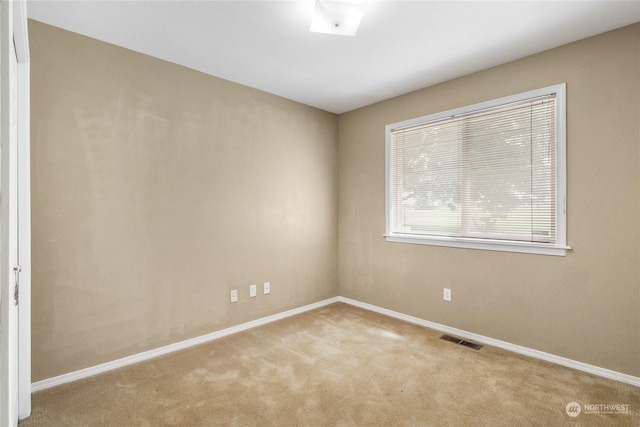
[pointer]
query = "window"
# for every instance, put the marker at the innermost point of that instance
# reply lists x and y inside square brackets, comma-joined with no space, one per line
[486,176]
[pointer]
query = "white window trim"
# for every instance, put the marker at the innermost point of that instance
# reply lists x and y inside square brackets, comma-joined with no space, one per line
[560,247]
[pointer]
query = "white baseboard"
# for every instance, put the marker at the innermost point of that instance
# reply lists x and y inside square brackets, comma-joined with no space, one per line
[591,369]
[119,363]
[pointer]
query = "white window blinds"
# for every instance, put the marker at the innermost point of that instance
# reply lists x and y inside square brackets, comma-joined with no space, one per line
[487,174]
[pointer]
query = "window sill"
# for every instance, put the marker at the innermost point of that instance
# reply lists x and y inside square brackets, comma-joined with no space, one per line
[503,246]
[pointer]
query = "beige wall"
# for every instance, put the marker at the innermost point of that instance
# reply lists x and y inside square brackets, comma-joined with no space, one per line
[156,190]
[585,306]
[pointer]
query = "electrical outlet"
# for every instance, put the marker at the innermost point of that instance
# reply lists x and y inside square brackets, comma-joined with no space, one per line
[266,288]
[446,294]
[252,291]
[234,295]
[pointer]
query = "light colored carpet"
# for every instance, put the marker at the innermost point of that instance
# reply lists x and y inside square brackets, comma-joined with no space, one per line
[337,366]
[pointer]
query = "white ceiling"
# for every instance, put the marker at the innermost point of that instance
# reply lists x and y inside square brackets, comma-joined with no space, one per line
[401,46]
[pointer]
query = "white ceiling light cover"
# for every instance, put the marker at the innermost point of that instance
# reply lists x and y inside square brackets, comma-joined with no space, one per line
[338,17]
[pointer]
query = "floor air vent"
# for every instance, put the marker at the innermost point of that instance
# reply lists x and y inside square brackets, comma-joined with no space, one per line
[461,342]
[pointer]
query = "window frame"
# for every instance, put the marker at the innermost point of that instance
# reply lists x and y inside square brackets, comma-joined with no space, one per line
[559,248]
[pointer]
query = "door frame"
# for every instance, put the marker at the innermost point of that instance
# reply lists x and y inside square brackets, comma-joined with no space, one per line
[13,27]
[21,37]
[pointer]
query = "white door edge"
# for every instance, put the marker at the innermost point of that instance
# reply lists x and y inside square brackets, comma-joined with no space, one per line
[21,38]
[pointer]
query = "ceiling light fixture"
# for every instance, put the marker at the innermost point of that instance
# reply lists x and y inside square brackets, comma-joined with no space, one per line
[338,17]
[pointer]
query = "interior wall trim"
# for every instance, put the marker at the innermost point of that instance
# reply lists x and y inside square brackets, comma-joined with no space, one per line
[591,369]
[129,360]
[181,345]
